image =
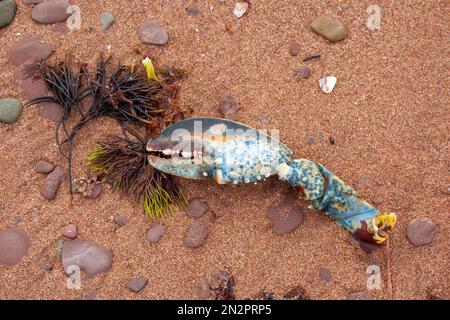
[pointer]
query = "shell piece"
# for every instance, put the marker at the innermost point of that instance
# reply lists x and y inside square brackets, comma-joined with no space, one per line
[327,84]
[240,9]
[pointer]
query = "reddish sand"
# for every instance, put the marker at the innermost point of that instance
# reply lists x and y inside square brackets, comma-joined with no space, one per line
[388,116]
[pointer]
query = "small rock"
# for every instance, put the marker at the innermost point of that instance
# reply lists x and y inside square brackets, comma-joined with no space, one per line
[196,208]
[153,33]
[327,84]
[137,284]
[50,11]
[192,11]
[29,48]
[329,28]
[294,49]
[156,232]
[51,111]
[43,167]
[47,266]
[196,234]
[106,20]
[119,220]
[282,222]
[93,191]
[10,110]
[26,70]
[264,120]
[298,293]
[228,105]
[302,73]
[14,244]
[325,274]
[240,8]
[70,231]
[88,256]
[421,231]
[361,295]
[8,10]
[28,2]
[34,88]
[50,185]
[377,200]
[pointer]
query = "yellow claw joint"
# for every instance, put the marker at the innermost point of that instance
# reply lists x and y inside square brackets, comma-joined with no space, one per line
[149,68]
[381,224]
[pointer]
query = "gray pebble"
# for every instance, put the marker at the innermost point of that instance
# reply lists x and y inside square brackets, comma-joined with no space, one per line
[43,167]
[106,20]
[10,110]
[50,11]
[8,10]
[51,183]
[421,231]
[137,284]
[14,244]
[153,33]
[196,234]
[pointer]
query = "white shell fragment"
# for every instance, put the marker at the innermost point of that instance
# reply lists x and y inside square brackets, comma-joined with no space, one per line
[327,84]
[240,8]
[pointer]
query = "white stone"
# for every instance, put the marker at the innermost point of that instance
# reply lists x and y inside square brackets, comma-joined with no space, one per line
[327,84]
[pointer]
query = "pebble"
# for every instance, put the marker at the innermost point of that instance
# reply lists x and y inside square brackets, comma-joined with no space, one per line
[10,110]
[119,220]
[137,284]
[26,70]
[51,111]
[196,234]
[29,48]
[43,166]
[240,8]
[325,274]
[14,244]
[294,49]
[228,105]
[70,231]
[106,20]
[377,200]
[192,11]
[50,11]
[51,183]
[28,2]
[93,191]
[421,231]
[285,223]
[297,293]
[34,88]
[155,233]
[303,72]
[153,33]
[8,10]
[196,208]
[327,84]
[361,295]
[330,28]
[90,257]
